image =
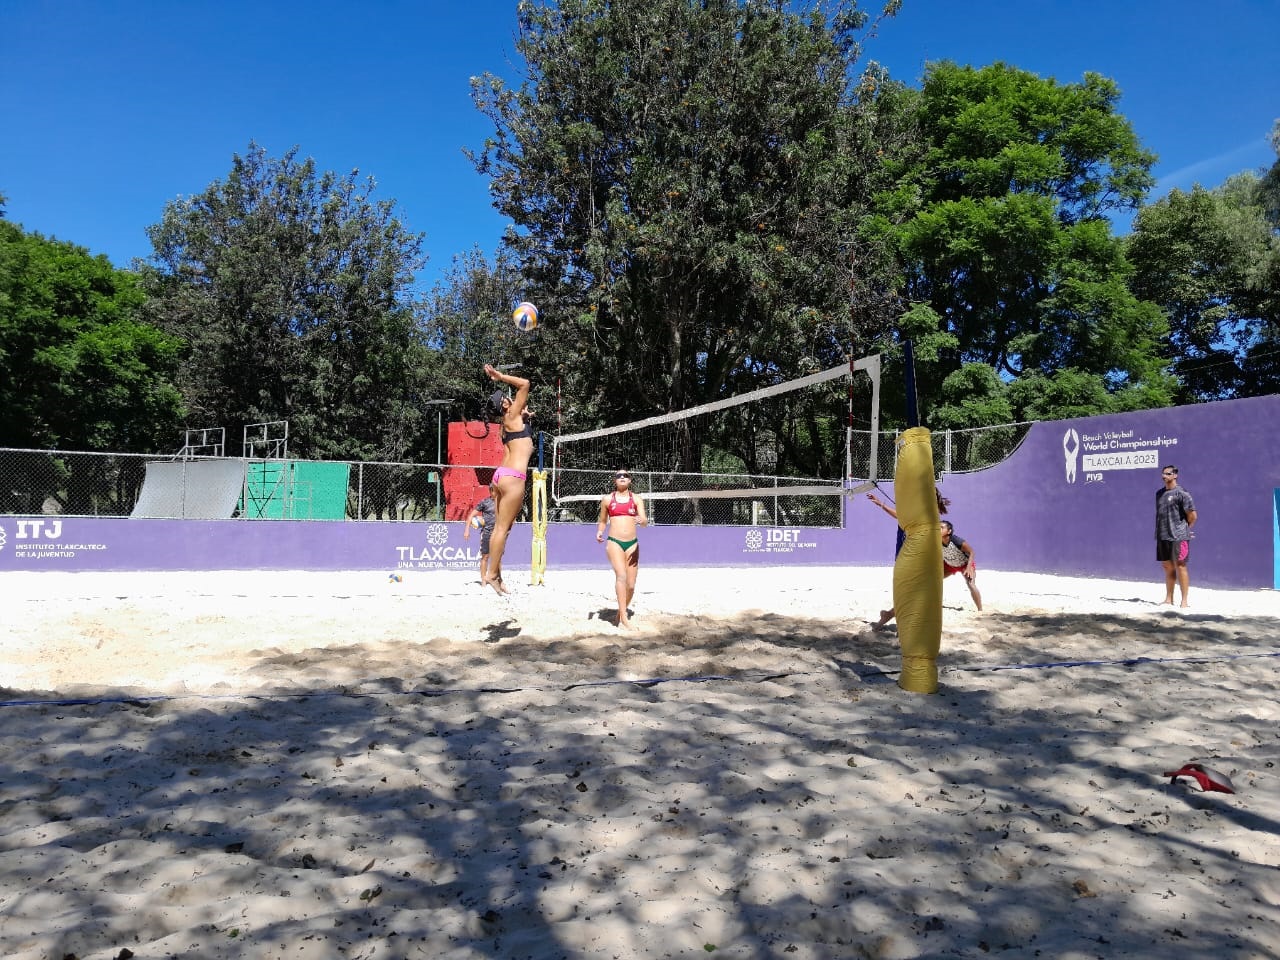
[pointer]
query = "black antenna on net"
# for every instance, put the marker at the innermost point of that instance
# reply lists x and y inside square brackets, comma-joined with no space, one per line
[913,403]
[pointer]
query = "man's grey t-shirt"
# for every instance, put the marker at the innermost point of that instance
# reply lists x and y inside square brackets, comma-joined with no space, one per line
[1172,507]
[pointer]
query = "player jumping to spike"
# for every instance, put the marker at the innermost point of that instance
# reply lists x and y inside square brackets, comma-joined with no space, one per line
[517,447]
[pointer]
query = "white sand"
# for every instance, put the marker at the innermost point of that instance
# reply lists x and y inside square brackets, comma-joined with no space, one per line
[337,765]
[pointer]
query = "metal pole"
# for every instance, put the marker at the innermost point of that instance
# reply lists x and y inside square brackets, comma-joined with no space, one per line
[913,403]
[439,405]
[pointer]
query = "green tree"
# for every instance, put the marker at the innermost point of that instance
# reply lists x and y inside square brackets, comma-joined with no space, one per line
[293,291]
[1269,186]
[78,369]
[998,221]
[684,182]
[1211,260]
[467,321]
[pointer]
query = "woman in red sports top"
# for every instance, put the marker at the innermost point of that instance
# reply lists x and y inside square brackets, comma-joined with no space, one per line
[621,512]
[508,480]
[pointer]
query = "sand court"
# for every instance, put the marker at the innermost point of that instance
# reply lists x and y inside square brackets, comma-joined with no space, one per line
[309,764]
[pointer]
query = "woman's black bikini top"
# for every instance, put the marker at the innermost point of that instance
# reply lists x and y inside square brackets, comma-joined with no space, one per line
[525,431]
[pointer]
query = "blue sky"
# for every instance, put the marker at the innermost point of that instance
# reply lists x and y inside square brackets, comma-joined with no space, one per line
[111,108]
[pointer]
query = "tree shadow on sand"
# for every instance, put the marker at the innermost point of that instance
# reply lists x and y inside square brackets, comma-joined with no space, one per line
[532,798]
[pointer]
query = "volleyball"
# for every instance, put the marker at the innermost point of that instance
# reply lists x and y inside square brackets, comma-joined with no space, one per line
[477,521]
[525,316]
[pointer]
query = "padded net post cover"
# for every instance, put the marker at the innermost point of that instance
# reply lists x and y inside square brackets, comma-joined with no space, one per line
[917,571]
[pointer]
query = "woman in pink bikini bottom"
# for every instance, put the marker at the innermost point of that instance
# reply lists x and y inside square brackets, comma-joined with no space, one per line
[513,414]
[501,472]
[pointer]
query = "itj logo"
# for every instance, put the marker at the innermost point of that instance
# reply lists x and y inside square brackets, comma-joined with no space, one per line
[437,534]
[1071,452]
[755,540]
[2,537]
[38,530]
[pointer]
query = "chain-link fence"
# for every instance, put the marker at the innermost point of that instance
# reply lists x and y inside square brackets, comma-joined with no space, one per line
[965,451]
[76,483]
[395,491]
[954,451]
[72,484]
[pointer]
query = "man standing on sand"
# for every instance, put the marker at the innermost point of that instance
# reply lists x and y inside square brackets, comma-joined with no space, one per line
[1175,518]
[486,512]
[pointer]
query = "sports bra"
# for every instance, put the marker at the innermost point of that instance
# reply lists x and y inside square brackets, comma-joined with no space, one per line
[953,552]
[618,509]
[525,431]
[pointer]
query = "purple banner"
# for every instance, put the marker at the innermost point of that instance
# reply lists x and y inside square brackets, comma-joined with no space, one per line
[81,543]
[1076,498]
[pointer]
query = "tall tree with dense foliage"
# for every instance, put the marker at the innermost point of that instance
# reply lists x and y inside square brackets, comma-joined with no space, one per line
[1269,186]
[78,369]
[999,221]
[467,319]
[684,182]
[293,290]
[1262,371]
[1211,259]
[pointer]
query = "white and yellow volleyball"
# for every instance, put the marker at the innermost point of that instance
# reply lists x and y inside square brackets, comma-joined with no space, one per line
[525,316]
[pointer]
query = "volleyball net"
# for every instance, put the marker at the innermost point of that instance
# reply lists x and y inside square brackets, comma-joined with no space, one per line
[782,454]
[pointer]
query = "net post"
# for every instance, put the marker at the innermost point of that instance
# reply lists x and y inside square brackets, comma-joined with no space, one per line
[538,563]
[871,366]
[913,404]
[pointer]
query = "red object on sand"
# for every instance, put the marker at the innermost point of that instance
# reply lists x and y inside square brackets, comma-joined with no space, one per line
[1209,780]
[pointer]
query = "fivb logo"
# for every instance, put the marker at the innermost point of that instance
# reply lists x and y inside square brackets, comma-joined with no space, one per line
[1071,452]
[38,530]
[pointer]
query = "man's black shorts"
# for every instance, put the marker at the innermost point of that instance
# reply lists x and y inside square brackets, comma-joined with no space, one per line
[1179,551]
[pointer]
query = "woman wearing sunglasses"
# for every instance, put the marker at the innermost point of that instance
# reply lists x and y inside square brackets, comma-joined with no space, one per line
[508,480]
[620,513]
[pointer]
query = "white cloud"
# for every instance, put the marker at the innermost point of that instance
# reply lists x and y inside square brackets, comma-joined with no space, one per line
[1212,171]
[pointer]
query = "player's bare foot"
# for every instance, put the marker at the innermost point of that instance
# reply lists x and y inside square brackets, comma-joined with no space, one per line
[625,624]
[885,617]
[496,583]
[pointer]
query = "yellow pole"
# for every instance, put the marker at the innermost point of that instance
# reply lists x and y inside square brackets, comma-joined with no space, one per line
[538,567]
[917,572]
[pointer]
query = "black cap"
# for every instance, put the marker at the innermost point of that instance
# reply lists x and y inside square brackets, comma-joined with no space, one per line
[495,400]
